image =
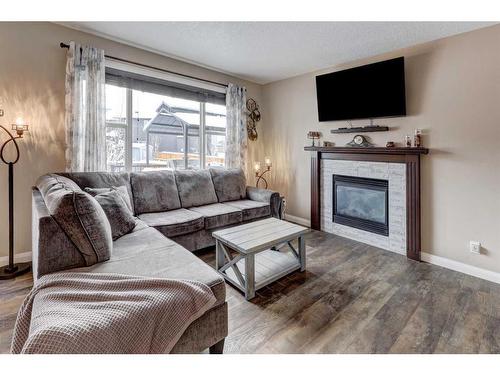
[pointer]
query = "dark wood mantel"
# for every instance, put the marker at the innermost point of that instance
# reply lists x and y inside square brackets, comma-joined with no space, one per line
[408,155]
[370,150]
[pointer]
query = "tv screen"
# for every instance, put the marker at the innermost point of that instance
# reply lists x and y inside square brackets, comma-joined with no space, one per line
[369,91]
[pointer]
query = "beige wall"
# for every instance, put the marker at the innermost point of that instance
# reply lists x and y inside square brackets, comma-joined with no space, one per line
[453,94]
[32,69]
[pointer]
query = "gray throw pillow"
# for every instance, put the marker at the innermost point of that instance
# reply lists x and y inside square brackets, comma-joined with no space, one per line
[119,215]
[230,184]
[121,190]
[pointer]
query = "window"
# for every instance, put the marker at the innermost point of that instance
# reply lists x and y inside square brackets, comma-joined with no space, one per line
[215,134]
[147,130]
[116,128]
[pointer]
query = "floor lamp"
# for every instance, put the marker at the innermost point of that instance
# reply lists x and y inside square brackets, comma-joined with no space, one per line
[12,269]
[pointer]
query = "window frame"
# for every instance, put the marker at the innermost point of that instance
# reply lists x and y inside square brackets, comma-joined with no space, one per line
[128,126]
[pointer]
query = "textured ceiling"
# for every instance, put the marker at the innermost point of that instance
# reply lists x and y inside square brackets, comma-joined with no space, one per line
[263,52]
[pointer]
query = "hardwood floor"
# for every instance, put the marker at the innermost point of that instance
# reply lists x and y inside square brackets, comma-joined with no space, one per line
[353,298]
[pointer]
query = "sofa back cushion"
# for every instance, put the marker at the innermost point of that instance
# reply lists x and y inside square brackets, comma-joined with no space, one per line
[79,215]
[154,191]
[100,180]
[229,184]
[195,188]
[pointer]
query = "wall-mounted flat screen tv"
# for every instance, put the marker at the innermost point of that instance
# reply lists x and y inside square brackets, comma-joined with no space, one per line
[365,92]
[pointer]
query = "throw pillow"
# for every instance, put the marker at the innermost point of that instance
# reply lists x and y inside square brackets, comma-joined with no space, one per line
[119,215]
[121,190]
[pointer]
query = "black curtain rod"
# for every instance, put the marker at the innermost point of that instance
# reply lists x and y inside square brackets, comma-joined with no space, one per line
[64,45]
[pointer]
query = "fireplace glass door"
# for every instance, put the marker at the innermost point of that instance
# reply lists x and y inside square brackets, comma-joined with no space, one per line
[361,203]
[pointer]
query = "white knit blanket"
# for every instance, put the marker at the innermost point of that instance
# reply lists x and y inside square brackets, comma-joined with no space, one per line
[107,313]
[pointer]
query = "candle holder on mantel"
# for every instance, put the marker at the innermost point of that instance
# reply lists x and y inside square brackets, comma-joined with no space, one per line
[12,269]
[314,135]
[260,174]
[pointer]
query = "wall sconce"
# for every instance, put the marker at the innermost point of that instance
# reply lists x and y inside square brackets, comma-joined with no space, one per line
[259,174]
[20,127]
[12,270]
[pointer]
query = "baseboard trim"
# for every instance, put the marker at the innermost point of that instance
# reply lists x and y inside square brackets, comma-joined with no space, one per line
[461,267]
[298,220]
[19,257]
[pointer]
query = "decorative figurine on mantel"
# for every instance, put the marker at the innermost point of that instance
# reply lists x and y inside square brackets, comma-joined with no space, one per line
[417,138]
[407,141]
[314,135]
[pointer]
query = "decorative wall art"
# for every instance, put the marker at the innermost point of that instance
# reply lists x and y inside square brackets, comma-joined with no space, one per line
[253,117]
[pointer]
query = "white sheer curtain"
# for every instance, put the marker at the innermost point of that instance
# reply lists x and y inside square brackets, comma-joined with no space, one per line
[85,109]
[236,133]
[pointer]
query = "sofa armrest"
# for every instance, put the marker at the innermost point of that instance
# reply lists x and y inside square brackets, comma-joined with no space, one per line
[268,196]
[52,250]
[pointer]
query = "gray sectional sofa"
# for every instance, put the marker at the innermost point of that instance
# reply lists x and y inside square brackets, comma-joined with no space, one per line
[175,214]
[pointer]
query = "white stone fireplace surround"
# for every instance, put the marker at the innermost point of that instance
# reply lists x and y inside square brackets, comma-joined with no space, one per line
[394,173]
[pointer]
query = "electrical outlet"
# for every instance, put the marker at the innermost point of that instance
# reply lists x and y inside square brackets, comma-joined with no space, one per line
[475,247]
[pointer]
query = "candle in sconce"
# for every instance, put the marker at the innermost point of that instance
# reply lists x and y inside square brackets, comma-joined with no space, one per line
[257,166]
[268,162]
[20,126]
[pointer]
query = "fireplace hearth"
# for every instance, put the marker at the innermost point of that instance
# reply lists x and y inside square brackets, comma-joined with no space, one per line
[361,203]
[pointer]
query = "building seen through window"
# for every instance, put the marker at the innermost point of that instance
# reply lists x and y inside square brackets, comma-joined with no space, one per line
[147,131]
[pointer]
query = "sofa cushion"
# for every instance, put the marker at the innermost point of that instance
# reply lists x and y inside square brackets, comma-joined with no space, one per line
[100,180]
[119,215]
[121,190]
[174,223]
[146,252]
[251,209]
[79,215]
[229,184]
[195,188]
[218,215]
[154,191]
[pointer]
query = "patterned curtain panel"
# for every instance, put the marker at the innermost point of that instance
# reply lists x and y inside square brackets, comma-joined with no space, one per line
[85,109]
[236,134]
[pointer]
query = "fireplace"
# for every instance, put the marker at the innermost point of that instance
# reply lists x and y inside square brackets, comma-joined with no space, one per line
[361,203]
[398,165]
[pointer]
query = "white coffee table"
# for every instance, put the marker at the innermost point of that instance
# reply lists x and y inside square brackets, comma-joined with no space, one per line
[255,264]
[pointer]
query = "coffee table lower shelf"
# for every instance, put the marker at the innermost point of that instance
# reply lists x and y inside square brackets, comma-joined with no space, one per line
[270,265]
